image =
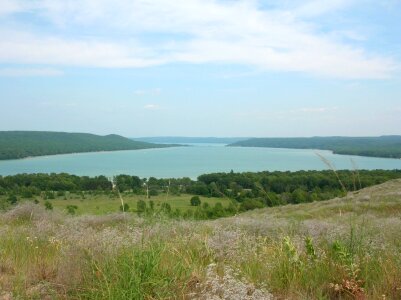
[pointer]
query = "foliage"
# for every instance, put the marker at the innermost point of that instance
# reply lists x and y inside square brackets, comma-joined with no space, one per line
[124,207]
[48,205]
[20,144]
[195,201]
[248,190]
[383,146]
[141,206]
[12,199]
[71,209]
[250,204]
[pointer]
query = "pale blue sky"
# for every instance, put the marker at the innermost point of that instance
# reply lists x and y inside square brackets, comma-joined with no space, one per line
[201,67]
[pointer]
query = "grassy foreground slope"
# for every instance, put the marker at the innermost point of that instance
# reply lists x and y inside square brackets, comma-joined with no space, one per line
[382,146]
[344,248]
[20,144]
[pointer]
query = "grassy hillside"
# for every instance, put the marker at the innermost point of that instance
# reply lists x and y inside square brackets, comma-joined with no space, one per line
[20,144]
[344,248]
[383,146]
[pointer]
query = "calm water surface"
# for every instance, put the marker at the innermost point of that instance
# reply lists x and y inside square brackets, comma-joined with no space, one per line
[190,161]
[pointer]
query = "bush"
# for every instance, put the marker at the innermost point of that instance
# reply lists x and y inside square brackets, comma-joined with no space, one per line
[166,207]
[26,193]
[153,192]
[195,201]
[250,204]
[71,209]
[140,206]
[12,199]
[50,195]
[218,210]
[48,205]
[125,207]
[231,209]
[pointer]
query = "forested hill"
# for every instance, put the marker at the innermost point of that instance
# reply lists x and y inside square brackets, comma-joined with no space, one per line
[20,144]
[190,140]
[383,146]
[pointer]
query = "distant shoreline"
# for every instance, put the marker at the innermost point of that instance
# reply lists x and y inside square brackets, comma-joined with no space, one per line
[379,147]
[194,144]
[28,144]
[89,152]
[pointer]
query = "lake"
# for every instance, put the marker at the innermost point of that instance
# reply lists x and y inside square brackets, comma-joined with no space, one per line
[190,161]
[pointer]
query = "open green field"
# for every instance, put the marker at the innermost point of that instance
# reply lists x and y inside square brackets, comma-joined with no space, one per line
[344,248]
[101,203]
[104,204]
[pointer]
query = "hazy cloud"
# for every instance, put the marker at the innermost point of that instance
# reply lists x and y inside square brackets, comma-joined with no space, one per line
[152,107]
[316,109]
[27,72]
[283,38]
[151,92]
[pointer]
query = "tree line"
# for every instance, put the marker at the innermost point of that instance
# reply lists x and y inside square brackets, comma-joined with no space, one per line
[382,146]
[249,189]
[20,144]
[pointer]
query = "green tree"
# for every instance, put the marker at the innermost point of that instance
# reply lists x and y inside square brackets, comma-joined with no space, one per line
[195,201]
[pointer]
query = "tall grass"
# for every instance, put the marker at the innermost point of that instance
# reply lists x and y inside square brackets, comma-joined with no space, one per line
[306,251]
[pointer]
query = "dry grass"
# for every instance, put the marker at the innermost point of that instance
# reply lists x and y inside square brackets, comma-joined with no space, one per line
[345,248]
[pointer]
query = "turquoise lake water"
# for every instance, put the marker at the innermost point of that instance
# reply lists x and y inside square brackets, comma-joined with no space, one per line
[190,161]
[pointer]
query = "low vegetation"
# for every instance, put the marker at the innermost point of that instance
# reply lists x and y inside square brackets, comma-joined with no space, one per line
[383,146]
[344,248]
[245,191]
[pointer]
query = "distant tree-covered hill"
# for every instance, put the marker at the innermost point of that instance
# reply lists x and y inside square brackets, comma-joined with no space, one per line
[383,146]
[190,140]
[20,144]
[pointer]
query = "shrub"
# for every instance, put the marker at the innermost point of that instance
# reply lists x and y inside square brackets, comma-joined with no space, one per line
[125,207]
[50,195]
[141,206]
[195,201]
[218,210]
[166,207]
[205,205]
[27,193]
[231,209]
[153,192]
[152,205]
[12,199]
[48,205]
[250,204]
[71,209]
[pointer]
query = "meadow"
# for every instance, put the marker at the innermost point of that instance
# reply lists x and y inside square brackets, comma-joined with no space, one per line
[101,203]
[344,248]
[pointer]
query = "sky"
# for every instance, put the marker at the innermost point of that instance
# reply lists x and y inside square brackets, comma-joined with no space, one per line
[201,67]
